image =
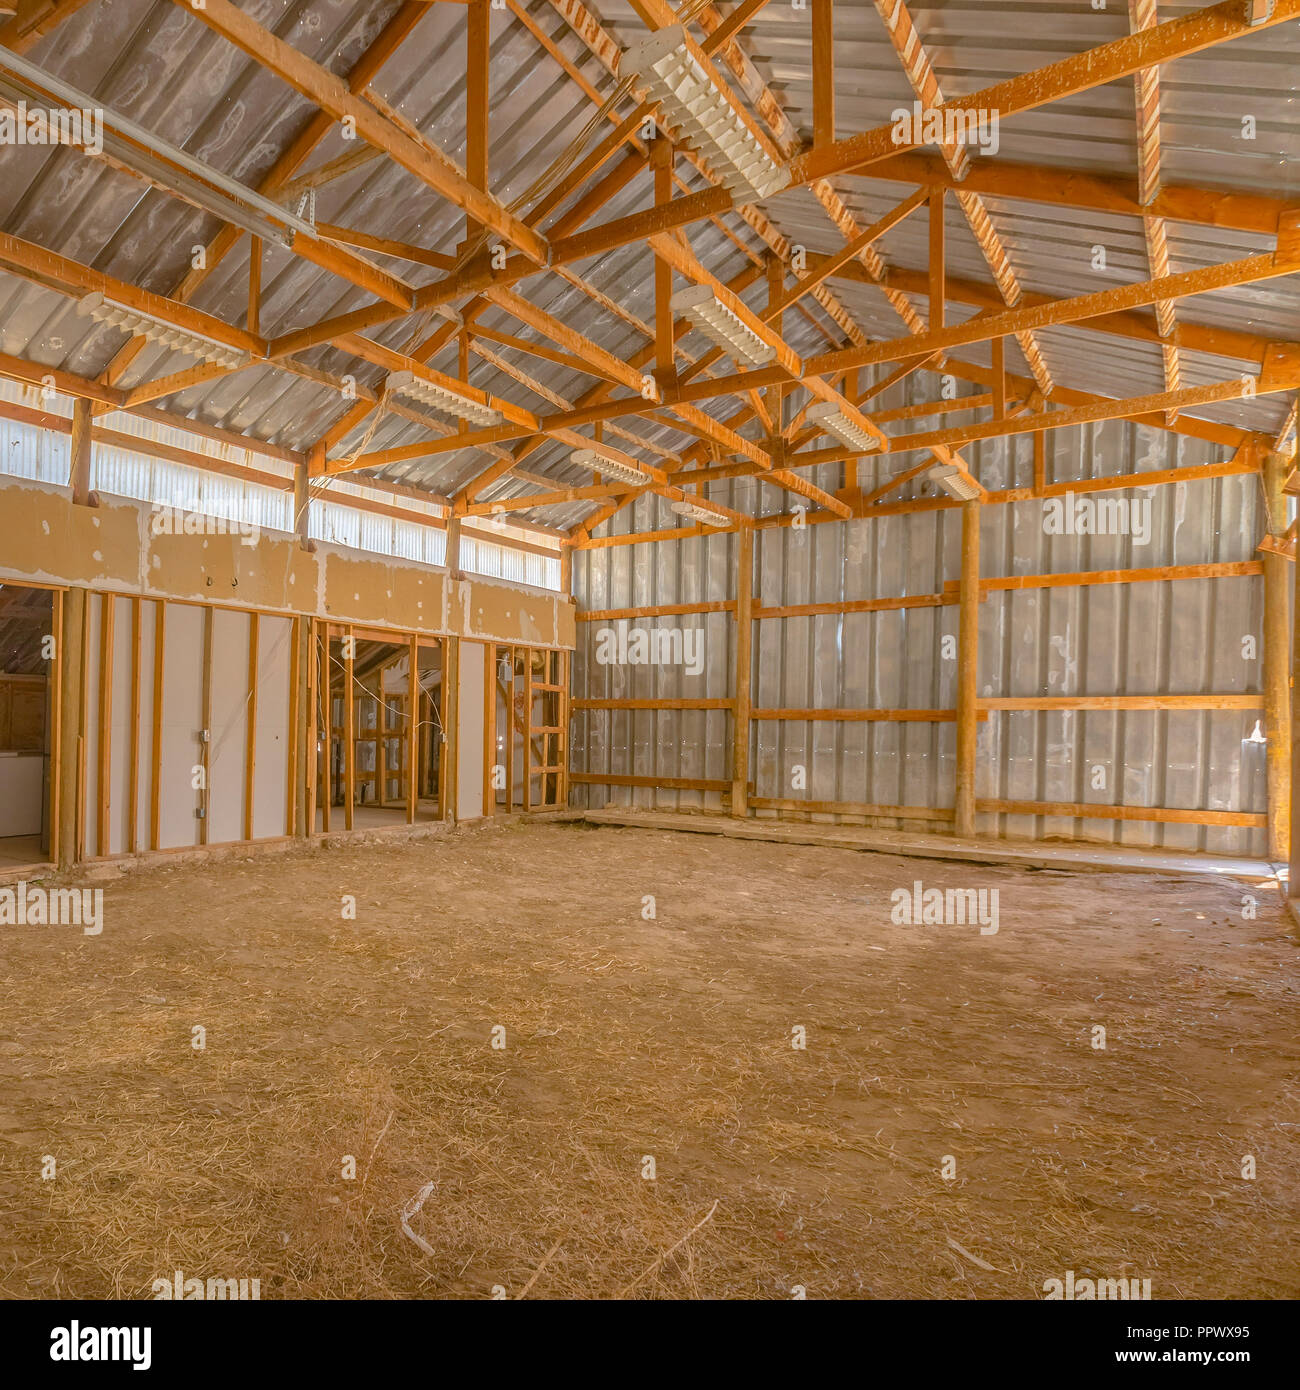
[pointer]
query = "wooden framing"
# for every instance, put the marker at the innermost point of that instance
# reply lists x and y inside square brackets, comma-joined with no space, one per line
[133,732]
[250,737]
[1016,406]
[968,597]
[413,726]
[104,733]
[350,732]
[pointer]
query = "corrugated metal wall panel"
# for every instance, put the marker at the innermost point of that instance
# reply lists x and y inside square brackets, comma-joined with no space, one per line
[1187,636]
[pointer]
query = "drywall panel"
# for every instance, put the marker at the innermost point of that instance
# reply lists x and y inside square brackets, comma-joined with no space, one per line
[362,589]
[271,754]
[115,546]
[182,721]
[22,790]
[227,752]
[470,730]
[48,540]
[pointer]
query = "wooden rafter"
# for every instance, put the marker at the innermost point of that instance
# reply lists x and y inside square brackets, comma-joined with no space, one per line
[1146,82]
[907,43]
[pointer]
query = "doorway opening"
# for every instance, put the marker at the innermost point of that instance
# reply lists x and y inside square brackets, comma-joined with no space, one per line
[28,720]
[530,729]
[381,756]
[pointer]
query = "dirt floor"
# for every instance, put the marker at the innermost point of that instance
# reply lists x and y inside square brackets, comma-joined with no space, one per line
[627,1037]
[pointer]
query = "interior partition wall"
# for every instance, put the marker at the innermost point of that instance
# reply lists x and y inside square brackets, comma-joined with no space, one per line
[186,726]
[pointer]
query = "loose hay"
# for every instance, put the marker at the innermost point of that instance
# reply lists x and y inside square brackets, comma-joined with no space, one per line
[627,1037]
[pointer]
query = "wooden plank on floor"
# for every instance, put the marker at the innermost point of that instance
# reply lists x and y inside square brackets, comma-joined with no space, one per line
[1084,858]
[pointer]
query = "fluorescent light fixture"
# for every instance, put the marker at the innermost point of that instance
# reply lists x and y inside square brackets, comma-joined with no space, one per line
[830,419]
[694,512]
[699,304]
[952,480]
[439,398]
[700,116]
[104,310]
[608,467]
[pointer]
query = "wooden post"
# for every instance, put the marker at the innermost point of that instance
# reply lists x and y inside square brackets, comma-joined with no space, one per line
[1277,665]
[205,748]
[1293,885]
[413,732]
[489,729]
[1000,379]
[452,557]
[968,617]
[937,289]
[528,730]
[823,70]
[450,720]
[350,730]
[744,662]
[477,98]
[104,735]
[309,686]
[155,768]
[302,497]
[665,373]
[79,453]
[133,735]
[250,739]
[71,694]
[327,706]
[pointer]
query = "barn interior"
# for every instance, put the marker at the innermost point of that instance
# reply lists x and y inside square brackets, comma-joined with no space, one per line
[673,624]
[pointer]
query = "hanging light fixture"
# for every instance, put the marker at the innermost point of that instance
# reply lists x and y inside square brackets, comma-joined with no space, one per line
[952,480]
[437,397]
[694,512]
[830,419]
[699,115]
[104,310]
[735,337]
[608,467]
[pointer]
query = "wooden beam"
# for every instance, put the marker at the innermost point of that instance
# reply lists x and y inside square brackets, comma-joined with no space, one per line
[155,766]
[413,718]
[823,70]
[743,673]
[417,156]
[80,453]
[1092,68]
[133,732]
[937,296]
[1277,664]
[478,45]
[968,617]
[250,739]
[104,731]
[1103,811]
